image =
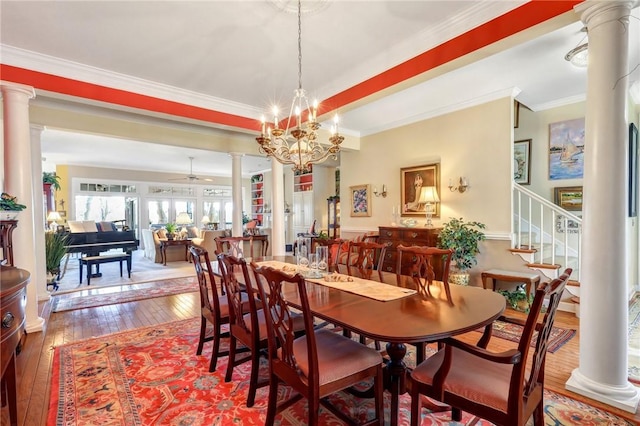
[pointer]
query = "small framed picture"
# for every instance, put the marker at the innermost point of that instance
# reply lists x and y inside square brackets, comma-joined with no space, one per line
[568,197]
[522,161]
[412,181]
[360,200]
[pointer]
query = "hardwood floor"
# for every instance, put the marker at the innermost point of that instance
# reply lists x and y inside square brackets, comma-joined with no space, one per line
[35,362]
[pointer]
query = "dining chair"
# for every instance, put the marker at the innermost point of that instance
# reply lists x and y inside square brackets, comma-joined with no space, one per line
[317,364]
[214,307]
[369,257]
[425,261]
[504,388]
[247,323]
[234,246]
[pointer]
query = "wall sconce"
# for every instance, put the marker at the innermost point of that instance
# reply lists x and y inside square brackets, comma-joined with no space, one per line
[383,193]
[462,185]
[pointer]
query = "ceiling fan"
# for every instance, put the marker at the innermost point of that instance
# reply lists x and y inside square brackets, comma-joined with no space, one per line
[191,177]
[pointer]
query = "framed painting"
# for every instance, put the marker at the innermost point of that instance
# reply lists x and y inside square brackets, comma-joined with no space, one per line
[360,200]
[566,149]
[568,197]
[412,179]
[633,170]
[522,161]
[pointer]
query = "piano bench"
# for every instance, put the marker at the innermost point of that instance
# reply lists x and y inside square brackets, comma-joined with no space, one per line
[98,260]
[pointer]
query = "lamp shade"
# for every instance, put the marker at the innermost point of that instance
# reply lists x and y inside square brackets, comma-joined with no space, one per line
[53,216]
[428,194]
[205,219]
[183,219]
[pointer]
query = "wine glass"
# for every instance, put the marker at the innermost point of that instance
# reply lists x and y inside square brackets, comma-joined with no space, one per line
[322,256]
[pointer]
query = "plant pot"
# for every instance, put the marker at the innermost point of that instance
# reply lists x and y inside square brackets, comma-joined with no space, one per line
[9,214]
[170,236]
[459,277]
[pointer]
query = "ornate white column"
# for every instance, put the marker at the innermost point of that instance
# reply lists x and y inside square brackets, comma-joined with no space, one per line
[19,181]
[277,208]
[236,188]
[602,371]
[39,217]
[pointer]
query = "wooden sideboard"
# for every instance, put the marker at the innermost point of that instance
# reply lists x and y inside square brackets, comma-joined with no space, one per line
[395,236]
[6,240]
[13,293]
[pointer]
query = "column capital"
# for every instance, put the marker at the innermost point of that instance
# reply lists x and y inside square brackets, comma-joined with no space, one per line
[595,12]
[9,87]
[236,154]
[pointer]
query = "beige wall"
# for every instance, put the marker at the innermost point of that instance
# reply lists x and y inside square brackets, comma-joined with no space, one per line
[474,143]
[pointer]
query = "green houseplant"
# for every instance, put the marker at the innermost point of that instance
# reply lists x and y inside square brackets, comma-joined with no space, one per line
[52,179]
[171,230]
[55,248]
[10,203]
[463,238]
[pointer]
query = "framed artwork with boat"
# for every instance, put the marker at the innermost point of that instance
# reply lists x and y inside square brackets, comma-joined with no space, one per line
[566,149]
[568,197]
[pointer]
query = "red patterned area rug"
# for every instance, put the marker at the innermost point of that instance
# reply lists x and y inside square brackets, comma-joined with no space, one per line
[512,332]
[634,339]
[151,376]
[121,294]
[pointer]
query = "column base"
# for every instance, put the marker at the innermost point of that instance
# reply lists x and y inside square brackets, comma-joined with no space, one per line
[624,397]
[35,325]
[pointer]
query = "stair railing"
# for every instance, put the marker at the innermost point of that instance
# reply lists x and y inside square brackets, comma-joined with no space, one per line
[555,233]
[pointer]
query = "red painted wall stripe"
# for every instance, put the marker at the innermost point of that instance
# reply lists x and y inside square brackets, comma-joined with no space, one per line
[527,15]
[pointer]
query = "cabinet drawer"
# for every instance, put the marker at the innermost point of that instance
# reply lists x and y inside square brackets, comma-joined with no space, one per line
[12,318]
[389,234]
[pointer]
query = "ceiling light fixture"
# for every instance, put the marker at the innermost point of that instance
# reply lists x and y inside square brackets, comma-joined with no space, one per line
[579,55]
[297,143]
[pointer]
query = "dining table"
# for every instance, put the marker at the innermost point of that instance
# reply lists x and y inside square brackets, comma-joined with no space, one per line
[404,314]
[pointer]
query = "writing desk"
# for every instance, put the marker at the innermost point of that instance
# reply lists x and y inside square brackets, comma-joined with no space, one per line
[411,319]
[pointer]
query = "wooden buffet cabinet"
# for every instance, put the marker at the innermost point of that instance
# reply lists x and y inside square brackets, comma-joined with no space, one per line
[13,294]
[395,236]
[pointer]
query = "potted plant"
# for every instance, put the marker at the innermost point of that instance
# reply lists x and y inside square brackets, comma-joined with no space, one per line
[55,247]
[518,299]
[463,238]
[9,206]
[171,230]
[52,179]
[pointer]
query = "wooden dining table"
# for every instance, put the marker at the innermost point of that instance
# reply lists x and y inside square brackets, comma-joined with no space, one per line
[414,318]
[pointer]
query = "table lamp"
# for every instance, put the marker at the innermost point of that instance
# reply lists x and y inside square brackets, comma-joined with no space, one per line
[429,196]
[52,217]
[183,219]
[205,221]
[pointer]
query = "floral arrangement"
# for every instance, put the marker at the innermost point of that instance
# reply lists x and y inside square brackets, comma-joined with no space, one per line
[10,203]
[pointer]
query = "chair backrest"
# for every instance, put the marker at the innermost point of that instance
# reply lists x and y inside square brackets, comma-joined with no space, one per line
[370,257]
[209,300]
[227,265]
[280,325]
[424,262]
[333,246]
[552,291]
[234,246]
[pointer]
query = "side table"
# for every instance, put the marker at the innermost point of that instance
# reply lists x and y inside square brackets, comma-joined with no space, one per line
[164,243]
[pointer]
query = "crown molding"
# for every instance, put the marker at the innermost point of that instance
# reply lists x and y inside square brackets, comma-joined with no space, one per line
[50,65]
[425,115]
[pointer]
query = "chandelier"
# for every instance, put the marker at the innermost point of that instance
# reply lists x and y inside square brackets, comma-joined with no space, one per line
[297,143]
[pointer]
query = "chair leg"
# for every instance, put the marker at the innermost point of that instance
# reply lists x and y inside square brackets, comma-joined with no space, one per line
[456,414]
[314,408]
[416,406]
[203,331]
[379,387]
[253,378]
[538,414]
[273,400]
[216,348]
[232,357]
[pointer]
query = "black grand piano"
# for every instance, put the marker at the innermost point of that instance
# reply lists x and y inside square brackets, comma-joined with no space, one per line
[90,244]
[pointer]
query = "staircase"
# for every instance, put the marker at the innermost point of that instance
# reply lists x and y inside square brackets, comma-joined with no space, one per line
[548,239]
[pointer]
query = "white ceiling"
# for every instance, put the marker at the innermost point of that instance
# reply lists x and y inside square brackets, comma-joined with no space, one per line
[240,57]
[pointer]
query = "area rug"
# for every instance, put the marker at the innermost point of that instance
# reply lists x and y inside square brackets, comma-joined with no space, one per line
[512,332]
[634,339]
[112,295]
[152,376]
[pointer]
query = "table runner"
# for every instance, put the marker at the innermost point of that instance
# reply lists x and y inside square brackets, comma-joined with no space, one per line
[362,287]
